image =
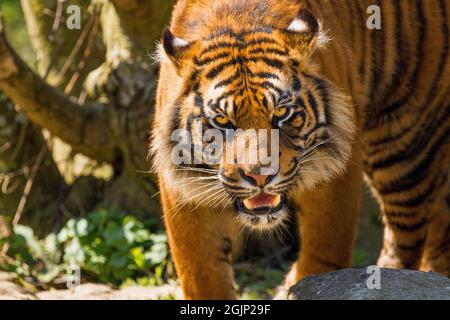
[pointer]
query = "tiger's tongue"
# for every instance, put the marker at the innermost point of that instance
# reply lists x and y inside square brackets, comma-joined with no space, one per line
[262,200]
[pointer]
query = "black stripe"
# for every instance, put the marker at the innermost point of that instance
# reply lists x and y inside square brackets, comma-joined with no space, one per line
[398,214]
[416,246]
[296,84]
[273,97]
[216,70]
[229,32]
[405,227]
[324,94]
[292,170]
[205,61]
[389,139]
[416,200]
[444,54]
[301,103]
[220,45]
[435,84]
[189,121]
[175,121]
[269,50]
[265,75]
[401,56]
[420,51]
[229,80]
[192,84]
[265,85]
[419,143]
[265,102]
[272,62]
[313,104]
[407,182]
[261,41]
[199,101]
[380,145]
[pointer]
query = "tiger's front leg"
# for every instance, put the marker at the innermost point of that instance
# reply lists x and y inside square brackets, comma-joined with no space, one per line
[328,218]
[201,243]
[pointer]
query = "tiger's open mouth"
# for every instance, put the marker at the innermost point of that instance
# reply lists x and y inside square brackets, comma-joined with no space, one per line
[262,210]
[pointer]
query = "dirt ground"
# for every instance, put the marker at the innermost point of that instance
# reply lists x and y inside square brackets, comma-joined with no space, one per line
[10,290]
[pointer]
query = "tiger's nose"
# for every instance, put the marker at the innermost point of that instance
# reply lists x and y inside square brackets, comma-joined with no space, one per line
[255,178]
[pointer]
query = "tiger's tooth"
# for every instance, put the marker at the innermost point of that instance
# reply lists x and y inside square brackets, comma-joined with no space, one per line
[248,204]
[277,201]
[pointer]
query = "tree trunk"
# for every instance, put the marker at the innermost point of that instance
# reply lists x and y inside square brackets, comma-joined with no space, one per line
[110,126]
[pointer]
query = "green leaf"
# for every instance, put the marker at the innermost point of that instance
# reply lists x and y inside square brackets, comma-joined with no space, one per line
[114,235]
[118,261]
[122,274]
[138,257]
[114,247]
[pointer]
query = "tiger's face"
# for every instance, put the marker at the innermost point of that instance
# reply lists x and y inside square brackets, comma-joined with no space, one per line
[261,81]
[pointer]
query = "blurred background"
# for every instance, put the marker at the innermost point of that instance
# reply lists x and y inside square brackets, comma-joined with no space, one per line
[76,194]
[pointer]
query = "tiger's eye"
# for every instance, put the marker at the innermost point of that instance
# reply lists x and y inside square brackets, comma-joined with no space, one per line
[222,120]
[280,112]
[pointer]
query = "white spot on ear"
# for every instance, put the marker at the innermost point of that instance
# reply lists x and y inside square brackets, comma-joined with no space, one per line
[177,42]
[298,26]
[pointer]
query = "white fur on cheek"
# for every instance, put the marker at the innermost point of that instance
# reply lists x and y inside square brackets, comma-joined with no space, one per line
[298,26]
[159,55]
[323,38]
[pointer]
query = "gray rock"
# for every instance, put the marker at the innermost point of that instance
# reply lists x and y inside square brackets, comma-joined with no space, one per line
[9,290]
[92,291]
[352,284]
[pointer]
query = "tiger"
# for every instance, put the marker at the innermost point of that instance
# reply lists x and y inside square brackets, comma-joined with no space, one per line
[353,105]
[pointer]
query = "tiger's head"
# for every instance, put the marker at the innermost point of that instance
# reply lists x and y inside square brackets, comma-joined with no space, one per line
[256,79]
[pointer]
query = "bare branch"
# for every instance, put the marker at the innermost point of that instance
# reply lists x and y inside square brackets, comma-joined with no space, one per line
[34,18]
[85,128]
[53,46]
[143,21]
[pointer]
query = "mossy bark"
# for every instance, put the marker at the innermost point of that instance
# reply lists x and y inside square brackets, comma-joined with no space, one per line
[111,127]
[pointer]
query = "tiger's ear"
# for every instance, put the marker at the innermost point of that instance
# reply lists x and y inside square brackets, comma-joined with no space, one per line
[304,34]
[180,52]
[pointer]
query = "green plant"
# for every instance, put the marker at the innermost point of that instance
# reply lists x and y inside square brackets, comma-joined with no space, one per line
[258,281]
[106,245]
[360,258]
[38,259]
